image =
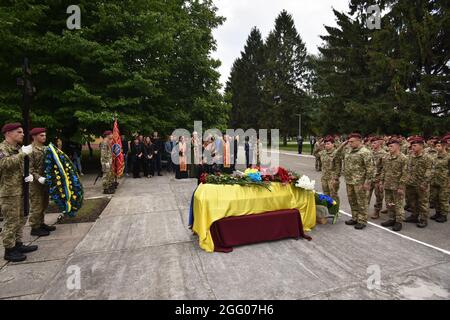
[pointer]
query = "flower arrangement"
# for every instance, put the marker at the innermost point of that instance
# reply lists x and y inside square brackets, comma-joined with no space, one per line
[305,183]
[64,184]
[330,203]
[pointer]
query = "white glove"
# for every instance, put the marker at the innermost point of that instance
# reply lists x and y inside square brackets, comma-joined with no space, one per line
[41,180]
[29,178]
[27,149]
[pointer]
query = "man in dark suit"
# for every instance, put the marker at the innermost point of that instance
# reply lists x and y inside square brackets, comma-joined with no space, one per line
[159,149]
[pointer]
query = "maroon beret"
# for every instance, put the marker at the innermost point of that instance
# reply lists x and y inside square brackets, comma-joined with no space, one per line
[36,131]
[329,139]
[107,133]
[393,140]
[10,127]
[417,139]
[355,135]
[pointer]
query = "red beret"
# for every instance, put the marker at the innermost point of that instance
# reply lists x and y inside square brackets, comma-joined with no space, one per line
[10,127]
[393,140]
[354,135]
[417,139]
[329,139]
[107,133]
[36,131]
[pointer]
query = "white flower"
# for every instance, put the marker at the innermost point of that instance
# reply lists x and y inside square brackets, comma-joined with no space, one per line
[305,183]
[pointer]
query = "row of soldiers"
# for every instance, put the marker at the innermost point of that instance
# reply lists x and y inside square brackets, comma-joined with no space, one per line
[395,169]
[12,154]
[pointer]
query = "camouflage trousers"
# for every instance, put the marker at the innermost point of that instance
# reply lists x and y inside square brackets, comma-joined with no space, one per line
[379,195]
[357,197]
[394,205]
[440,196]
[107,180]
[318,164]
[330,188]
[418,200]
[38,205]
[14,221]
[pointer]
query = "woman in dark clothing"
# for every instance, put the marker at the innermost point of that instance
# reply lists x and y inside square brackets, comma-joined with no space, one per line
[149,152]
[137,154]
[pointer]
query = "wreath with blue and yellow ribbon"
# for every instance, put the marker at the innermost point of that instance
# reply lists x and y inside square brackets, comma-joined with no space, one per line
[62,178]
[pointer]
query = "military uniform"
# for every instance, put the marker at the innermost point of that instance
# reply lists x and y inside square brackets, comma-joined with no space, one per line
[440,183]
[377,157]
[331,171]
[38,192]
[393,177]
[106,161]
[358,170]
[317,148]
[418,185]
[11,194]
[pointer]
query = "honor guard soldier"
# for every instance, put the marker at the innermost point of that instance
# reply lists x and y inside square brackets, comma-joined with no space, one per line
[11,191]
[106,161]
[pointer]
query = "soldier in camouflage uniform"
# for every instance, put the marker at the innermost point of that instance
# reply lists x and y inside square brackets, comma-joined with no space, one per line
[394,171]
[317,148]
[420,171]
[440,183]
[331,169]
[378,154]
[38,188]
[11,192]
[359,173]
[106,161]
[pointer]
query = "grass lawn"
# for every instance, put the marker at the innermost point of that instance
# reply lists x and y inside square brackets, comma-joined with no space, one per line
[292,146]
[89,212]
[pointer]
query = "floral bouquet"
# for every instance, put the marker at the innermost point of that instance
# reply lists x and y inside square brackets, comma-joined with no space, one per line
[250,177]
[279,174]
[330,203]
[64,184]
[305,183]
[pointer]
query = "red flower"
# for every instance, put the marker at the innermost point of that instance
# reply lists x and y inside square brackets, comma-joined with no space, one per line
[203,177]
[283,174]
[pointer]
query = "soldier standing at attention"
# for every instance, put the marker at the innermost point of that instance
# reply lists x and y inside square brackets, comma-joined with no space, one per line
[359,173]
[378,154]
[440,183]
[11,191]
[420,166]
[106,161]
[38,188]
[317,148]
[392,180]
[331,169]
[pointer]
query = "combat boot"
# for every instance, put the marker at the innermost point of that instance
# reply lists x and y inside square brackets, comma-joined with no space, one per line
[422,224]
[14,255]
[350,222]
[360,226]
[108,191]
[434,216]
[412,219]
[376,214]
[441,218]
[388,223]
[25,249]
[39,232]
[47,227]
[397,227]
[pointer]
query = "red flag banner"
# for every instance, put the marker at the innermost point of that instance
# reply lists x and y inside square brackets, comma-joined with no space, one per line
[118,160]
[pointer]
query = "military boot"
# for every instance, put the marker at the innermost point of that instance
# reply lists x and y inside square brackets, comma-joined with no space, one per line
[39,232]
[25,249]
[397,227]
[441,218]
[47,227]
[388,223]
[412,219]
[360,226]
[14,255]
[422,224]
[434,216]
[108,191]
[376,214]
[351,222]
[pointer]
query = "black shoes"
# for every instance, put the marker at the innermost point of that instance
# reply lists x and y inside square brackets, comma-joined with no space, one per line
[440,218]
[397,227]
[109,191]
[389,223]
[39,232]
[14,255]
[422,224]
[47,227]
[25,249]
[351,222]
[360,226]
[412,219]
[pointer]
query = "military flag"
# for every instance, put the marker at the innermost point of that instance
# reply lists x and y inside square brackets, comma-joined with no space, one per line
[118,160]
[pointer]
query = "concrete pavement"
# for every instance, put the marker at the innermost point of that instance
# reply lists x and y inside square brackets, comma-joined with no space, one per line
[141,248]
